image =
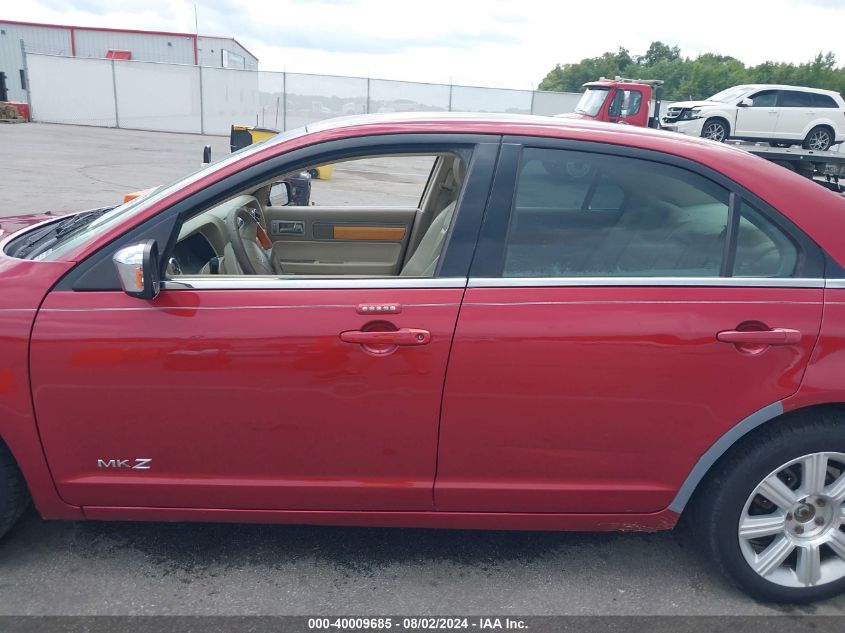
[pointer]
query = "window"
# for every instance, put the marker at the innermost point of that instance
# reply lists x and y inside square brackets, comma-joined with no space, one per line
[581,214]
[762,250]
[796,99]
[591,101]
[765,99]
[379,181]
[578,214]
[626,103]
[370,216]
[823,101]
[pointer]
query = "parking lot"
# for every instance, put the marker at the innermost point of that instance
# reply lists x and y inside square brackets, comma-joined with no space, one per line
[179,568]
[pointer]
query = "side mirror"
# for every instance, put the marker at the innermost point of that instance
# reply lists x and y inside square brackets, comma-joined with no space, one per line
[138,269]
[280,194]
[745,103]
[294,190]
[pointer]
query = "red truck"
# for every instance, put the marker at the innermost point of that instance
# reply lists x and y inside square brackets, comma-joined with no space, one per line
[619,100]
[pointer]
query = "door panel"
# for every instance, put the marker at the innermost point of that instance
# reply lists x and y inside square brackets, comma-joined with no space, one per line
[338,257]
[797,112]
[793,122]
[761,119]
[241,398]
[756,122]
[573,399]
[320,240]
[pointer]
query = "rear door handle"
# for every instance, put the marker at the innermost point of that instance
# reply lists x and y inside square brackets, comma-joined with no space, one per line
[403,336]
[775,336]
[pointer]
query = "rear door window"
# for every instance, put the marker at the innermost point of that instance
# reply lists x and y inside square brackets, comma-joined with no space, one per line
[584,214]
[796,99]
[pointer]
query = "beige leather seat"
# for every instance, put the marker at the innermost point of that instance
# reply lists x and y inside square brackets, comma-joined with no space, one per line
[424,260]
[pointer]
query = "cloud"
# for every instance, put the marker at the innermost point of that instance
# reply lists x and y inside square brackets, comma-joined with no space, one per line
[345,41]
[101,7]
[826,4]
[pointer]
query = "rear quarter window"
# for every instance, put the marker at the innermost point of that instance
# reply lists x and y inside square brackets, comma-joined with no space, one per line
[824,101]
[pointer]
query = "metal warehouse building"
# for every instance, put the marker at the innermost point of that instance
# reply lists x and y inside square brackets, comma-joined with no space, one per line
[84,41]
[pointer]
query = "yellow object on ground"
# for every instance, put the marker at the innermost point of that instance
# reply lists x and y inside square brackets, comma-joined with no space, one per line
[324,172]
[260,133]
[243,135]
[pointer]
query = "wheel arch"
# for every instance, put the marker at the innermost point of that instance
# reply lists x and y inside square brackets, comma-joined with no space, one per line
[762,418]
[25,451]
[720,116]
[825,123]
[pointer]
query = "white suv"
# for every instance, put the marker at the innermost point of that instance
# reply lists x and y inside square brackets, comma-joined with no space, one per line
[781,115]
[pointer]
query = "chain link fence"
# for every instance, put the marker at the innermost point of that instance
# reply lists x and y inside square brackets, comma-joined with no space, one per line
[182,98]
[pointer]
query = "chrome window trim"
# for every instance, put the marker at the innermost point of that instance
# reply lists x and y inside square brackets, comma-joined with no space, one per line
[255,282]
[834,283]
[737,282]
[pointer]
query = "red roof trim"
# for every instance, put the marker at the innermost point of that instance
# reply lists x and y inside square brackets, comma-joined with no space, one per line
[96,28]
[73,27]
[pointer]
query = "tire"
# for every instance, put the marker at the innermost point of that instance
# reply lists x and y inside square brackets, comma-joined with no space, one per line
[819,139]
[736,491]
[715,130]
[14,497]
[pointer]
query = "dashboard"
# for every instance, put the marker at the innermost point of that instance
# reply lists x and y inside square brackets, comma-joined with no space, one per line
[203,238]
[192,254]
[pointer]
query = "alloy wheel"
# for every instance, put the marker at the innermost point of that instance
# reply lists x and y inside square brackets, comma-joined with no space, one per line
[715,131]
[819,140]
[791,528]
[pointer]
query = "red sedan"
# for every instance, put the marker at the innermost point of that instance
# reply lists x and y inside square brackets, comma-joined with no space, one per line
[560,325]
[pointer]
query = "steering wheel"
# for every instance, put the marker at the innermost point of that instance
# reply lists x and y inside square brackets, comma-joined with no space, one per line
[242,230]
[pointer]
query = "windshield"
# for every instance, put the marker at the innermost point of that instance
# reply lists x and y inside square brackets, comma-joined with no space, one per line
[731,94]
[591,101]
[109,219]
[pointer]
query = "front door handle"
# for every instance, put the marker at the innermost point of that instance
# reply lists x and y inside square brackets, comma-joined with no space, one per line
[775,336]
[403,336]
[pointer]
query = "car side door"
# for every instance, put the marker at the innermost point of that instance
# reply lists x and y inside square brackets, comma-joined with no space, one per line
[760,119]
[259,392]
[619,319]
[797,112]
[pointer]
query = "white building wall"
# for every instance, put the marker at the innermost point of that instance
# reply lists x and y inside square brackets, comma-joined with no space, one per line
[210,52]
[148,47]
[54,41]
[151,47]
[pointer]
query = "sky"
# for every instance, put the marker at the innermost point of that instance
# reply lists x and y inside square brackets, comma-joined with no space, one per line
[500,43]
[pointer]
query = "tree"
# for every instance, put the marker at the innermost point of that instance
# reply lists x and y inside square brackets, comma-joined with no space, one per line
[570,77]
[686,78]
[658,52]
